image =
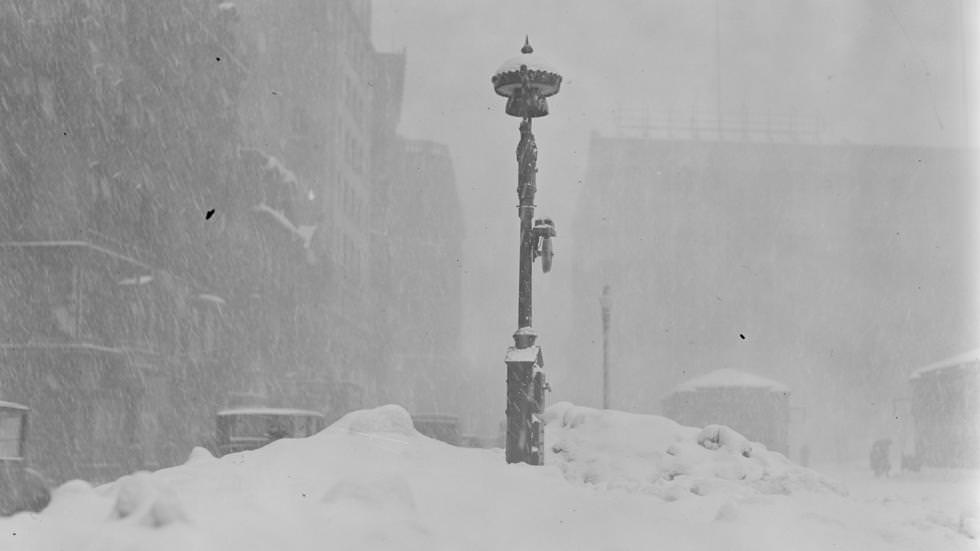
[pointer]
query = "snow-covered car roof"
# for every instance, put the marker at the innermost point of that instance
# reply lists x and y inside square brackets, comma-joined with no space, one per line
[434,417]
[268,411]
[13,405]
[730,378]
[969,359]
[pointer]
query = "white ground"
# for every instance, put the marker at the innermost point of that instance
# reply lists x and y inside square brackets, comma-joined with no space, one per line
[949,497]
[614,481]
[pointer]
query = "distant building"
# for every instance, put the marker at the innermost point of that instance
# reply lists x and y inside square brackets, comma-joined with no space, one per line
[754,406]
[823,265]
[270,280]
[424,240]
[384,296]
[946,411]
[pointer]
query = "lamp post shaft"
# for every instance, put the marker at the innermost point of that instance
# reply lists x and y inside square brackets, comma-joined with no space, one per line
[525,385]
[527,160]
[605,362]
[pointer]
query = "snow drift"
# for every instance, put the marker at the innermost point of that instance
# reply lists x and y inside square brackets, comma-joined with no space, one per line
[370,481]
[654,455]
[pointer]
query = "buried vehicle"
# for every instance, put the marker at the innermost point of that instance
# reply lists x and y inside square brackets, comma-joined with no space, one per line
[438,426]
[21,488]
[250,428]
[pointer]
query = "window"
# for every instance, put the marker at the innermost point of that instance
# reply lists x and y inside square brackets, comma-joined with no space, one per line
[108,418]
[46,89]
[10,427]
[136,322]
[356,156]
[209,333]
[300,121]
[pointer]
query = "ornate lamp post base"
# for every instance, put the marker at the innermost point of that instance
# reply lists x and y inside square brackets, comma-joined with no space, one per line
[525,400]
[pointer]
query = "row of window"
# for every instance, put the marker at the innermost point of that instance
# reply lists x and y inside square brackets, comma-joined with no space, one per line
[348,200]
[49,298]
[353,152]
[355,40]
[350,258]
[353,100]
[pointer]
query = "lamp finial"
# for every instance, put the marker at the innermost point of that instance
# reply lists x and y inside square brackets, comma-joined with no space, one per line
[527,46]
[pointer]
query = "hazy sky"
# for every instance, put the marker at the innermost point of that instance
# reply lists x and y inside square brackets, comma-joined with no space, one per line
[896,72]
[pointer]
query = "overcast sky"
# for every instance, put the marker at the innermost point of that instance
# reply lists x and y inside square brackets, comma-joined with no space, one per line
[889,72]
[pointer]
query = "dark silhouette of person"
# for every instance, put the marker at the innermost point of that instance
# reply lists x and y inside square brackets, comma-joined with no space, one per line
[880,462]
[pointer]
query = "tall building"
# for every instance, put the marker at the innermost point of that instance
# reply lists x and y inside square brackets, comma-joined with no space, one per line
[110,154]
[201,205]
[829,267]
[321,100]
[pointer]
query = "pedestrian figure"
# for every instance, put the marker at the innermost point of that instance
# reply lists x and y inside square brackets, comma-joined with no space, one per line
[880,462]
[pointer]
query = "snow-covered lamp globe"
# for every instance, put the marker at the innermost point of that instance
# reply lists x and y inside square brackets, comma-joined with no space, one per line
[526,81]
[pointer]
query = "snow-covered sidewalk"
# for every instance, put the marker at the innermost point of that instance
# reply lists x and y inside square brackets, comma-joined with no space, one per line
[370,481]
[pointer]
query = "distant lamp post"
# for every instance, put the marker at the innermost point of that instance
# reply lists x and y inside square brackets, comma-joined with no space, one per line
[526,81]
[605,301]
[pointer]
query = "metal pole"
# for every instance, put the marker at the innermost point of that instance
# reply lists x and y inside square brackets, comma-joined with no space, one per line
[606,302]
[527,160]
[524,386]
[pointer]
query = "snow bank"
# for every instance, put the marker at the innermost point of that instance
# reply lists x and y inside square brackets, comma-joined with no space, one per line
[199,455]
[142,500]
[390,419]
[730,378]
[654,455]
[370,481]
[714,437]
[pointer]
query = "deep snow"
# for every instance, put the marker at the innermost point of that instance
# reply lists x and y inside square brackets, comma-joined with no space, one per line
[370,481]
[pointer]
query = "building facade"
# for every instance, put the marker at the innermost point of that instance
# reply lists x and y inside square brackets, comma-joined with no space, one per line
[945,407]
[110,333]
[756,407]
[197,204]
[799,260]
[324,101]
[424,241]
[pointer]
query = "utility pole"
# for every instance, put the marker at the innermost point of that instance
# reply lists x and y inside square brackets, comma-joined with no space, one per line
[605,301]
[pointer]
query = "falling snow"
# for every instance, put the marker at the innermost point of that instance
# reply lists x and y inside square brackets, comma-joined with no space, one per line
[259,270]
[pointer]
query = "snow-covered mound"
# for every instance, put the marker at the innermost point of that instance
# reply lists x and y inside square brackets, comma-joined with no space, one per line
[390,419]
[371,482]
[655,455]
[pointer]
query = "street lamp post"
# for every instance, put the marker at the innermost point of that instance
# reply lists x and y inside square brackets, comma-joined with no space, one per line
[526,81]
[605,301]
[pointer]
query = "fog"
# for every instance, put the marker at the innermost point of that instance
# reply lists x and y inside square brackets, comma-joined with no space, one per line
[311,205]
[849,73]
